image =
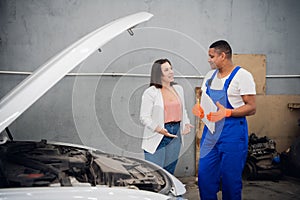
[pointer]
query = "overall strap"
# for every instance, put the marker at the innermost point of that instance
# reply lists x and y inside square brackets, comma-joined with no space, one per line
[208,82]
[227,82]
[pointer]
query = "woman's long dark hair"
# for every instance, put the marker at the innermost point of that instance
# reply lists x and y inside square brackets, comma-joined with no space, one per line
[156,73]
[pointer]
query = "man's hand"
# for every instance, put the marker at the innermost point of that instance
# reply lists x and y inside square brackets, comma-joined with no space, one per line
[198,110]
[220,114]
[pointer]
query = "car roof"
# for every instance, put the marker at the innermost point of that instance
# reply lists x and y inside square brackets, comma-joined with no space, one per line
[47,75]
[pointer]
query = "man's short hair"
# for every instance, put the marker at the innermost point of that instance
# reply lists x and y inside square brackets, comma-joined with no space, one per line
[222,46]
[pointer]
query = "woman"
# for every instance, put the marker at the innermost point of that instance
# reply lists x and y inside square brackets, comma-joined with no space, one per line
[164,116]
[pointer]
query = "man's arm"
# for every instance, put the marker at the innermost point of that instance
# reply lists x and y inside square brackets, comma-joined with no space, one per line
[246,110]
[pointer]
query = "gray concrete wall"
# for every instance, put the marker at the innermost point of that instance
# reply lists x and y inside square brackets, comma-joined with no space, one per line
[103,111]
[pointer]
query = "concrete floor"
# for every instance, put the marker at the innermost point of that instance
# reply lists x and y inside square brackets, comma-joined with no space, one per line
[287,188]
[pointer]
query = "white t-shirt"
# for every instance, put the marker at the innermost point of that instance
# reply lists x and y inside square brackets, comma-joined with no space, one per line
[241,84]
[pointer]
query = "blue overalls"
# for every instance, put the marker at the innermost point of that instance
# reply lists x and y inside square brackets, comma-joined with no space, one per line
[223,153]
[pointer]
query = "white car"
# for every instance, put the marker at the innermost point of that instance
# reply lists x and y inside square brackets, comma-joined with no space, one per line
[52,170]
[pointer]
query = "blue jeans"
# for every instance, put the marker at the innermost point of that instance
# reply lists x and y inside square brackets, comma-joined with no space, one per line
[167,152]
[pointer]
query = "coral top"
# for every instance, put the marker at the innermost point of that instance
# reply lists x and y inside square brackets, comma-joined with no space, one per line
[172,110]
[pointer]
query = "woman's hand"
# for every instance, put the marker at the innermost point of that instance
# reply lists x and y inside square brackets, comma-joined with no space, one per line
[165,132]
[187,129]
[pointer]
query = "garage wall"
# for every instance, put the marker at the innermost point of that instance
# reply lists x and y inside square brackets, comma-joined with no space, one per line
[103,111]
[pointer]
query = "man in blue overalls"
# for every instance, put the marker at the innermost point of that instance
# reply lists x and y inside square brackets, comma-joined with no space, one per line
[224,152]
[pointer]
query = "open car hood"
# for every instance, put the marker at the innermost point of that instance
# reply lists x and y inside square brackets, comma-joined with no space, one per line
[46,76]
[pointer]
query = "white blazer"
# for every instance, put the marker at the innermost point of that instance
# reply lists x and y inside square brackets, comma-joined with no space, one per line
[152,115]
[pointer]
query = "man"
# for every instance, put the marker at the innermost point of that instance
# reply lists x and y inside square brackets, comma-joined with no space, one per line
[223,153]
